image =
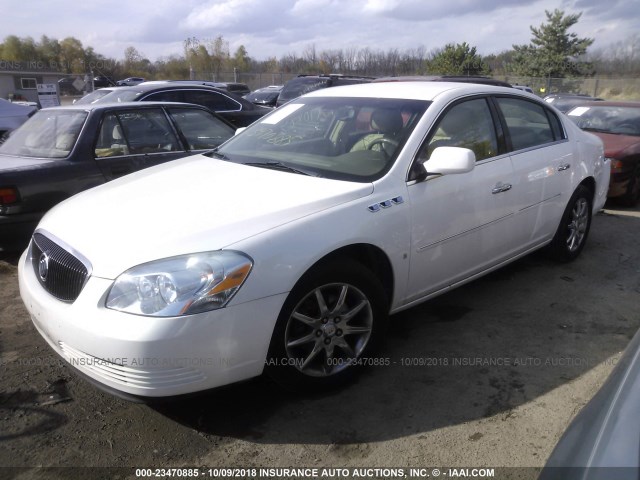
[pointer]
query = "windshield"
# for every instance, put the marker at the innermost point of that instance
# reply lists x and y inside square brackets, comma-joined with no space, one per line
[356,139]
[621,120]
[48,134]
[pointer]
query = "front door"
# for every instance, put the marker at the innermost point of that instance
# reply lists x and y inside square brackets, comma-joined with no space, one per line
[461,223]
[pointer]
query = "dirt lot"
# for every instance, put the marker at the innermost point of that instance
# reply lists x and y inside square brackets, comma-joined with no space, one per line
[488,375]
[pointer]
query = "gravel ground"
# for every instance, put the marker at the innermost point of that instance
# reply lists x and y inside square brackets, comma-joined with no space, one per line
[486,376]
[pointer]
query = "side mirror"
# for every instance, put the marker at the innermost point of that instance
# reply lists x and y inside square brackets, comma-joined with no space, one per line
[450,160]
[241,129]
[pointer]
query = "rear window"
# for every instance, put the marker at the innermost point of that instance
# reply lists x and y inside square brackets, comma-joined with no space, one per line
[47,134]
[299,86]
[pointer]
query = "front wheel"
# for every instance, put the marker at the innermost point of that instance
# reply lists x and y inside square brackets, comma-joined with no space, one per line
[331,320]
[573,230]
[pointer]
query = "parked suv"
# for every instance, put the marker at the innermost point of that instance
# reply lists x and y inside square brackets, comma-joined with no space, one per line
[308,83]
[233,108]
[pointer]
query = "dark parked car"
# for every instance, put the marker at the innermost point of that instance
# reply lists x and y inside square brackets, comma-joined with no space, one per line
[566,101]
[235,109]
[70,86]
[308,83]
[63,150]
[240,89]
[128,82]
[603,441]
[101,81]
[618,126]
[12,115]
[266,97]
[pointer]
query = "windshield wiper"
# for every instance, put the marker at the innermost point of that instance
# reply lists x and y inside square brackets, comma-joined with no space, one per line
[216,153]
[280,166]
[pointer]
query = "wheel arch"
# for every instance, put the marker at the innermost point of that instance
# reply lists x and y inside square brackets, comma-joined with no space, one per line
[368,255]
[590,183]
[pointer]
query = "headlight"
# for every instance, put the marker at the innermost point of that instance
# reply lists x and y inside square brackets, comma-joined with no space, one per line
[180,285]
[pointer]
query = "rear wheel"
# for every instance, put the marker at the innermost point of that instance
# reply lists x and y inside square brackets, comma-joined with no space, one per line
[573,230]
[331,320]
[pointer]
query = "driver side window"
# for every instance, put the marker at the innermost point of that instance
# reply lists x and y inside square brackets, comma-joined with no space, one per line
[468,125]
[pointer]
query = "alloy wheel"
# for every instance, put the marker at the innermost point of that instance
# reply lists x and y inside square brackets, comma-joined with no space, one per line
[578,224]
[328,329]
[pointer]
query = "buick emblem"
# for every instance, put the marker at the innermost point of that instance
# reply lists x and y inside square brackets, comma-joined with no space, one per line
[43,266]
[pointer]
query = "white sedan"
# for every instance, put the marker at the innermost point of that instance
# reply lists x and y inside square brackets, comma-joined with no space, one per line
[285,250]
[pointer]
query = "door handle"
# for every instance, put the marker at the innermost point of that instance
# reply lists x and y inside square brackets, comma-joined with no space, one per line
[501,187]
[564,166]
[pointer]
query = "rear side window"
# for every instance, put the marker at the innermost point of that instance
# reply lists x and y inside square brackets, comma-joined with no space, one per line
[167,96]
[212,100]
[528,123]
[134,133]
[201,129]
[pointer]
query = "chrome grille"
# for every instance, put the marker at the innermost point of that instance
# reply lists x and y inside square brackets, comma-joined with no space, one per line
[60,272]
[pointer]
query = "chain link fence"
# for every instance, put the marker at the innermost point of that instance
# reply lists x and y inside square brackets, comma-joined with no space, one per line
[607,88]
[603,87]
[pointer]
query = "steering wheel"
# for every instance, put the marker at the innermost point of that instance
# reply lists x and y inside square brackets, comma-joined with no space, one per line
[382,141]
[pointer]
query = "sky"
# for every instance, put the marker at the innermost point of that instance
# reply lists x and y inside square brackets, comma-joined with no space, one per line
[275,28]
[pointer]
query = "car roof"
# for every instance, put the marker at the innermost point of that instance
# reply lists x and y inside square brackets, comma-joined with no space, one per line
[125,105]
[332,75]
[445,78]
[412,90]
[166,85]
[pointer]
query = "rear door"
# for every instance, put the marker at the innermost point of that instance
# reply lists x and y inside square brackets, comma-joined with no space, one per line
[543,163]
[134,139]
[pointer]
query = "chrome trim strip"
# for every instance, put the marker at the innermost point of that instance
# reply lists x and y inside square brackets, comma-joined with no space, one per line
[540,202]
[421,249]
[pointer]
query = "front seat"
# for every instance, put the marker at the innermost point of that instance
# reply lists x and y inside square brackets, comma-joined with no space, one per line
[386,125]
[120,144]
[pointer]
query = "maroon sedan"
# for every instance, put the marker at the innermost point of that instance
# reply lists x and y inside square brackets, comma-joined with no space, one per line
[618,126]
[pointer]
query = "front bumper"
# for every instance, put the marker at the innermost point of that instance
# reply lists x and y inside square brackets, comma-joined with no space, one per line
[147,356]
[16,229]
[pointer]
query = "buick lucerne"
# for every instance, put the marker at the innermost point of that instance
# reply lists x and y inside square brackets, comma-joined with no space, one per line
[285,249]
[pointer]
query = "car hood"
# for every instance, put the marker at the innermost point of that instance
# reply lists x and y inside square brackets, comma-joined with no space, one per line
[185,206]
[8,162]
[615,144]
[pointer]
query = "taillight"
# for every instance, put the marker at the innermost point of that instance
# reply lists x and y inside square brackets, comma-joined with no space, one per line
[8,195]
[616,165]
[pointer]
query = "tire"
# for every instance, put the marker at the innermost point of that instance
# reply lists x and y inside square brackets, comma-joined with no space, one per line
[632,195]
[333,318]
[573,230]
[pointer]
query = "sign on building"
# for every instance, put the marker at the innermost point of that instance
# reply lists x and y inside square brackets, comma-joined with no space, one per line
[47,95]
